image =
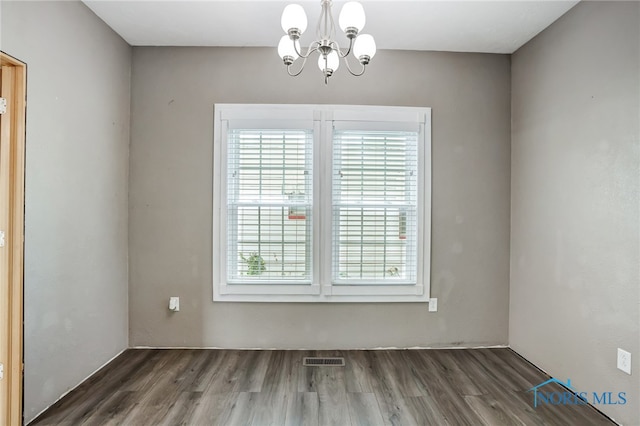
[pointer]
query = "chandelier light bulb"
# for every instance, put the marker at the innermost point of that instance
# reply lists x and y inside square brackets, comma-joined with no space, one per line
[364,45]
[333,61]
[352,16]
[294,16]
[286,48]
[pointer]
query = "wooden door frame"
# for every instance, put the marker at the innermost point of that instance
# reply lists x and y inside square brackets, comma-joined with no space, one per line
[12,152]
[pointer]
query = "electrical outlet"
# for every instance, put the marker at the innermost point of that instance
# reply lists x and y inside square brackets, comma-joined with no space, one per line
[624,361]
[433,305]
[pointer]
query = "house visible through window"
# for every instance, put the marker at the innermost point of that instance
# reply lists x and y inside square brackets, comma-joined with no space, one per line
[321,203]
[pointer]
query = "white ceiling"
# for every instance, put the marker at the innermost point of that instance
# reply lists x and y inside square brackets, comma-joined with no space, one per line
[445,25]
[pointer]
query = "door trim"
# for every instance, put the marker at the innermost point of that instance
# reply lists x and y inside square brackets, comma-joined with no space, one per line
[12,156]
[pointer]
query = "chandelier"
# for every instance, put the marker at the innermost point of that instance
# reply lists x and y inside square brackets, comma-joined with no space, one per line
[351,21]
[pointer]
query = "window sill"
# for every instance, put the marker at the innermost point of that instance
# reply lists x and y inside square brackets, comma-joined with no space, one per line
[329,294]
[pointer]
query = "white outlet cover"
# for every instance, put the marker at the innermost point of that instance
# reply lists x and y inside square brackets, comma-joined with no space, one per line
[433,305]
[624,361]
[174,304]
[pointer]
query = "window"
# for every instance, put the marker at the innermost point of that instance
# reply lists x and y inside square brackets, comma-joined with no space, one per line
[269,207]
[374,207]
[321,203]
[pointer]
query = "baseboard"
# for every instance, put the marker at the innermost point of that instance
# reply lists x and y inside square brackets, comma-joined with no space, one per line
[380,348]
[74,388]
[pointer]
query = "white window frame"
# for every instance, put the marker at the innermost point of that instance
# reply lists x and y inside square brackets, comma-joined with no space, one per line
[321,119]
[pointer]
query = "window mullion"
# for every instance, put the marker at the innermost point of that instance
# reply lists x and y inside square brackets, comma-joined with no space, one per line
[325,150]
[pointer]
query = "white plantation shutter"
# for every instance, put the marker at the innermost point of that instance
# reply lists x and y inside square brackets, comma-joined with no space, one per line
[375,207]
[269,206]
[321,203]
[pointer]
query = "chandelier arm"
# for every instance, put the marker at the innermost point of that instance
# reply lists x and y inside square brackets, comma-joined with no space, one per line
[364,67]
[336,47]
[304,61]
[310,50]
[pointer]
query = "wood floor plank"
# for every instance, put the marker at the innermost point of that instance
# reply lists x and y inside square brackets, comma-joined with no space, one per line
[332,393]
[225,379]
[212,409]
[159,398]
[302,409]
[114,409]
[402,378]
[268,409]
[387,392]
[356,373]
[281,374]
[504,373]
[491,411]
[522,368]
[333,410]
[364,409]
[182,411]
[306,375]
[195,368]
[214,361]
[423,411]
[238,412]
[253,371]
[102,385]
[455,375]
[438,386]
[149,387]
[490,386]
[143,378]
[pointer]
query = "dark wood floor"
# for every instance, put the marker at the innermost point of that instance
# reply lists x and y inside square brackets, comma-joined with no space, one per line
[403,387]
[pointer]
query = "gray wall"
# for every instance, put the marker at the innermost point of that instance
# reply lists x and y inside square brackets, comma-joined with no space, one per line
[76,312]
[575,218]
[173,93]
